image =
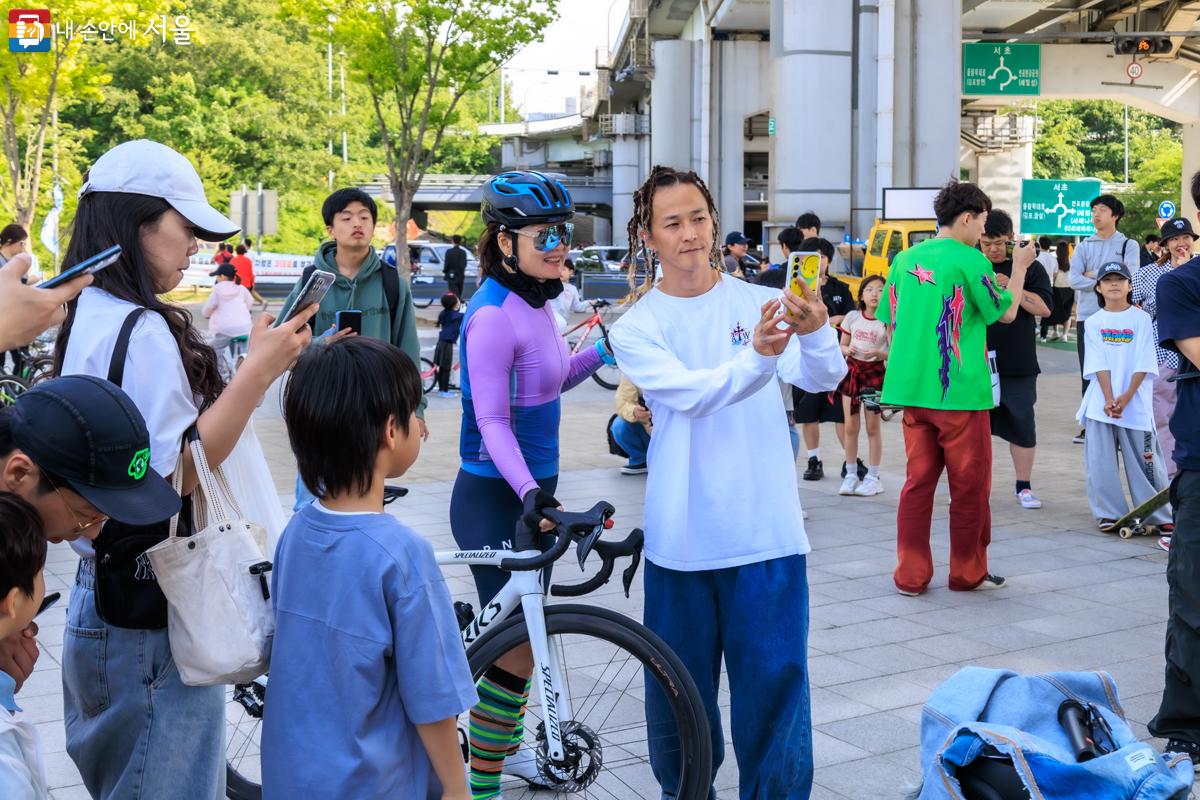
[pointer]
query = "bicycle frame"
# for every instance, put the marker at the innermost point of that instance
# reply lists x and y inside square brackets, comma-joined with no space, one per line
[591,322]
[524,588]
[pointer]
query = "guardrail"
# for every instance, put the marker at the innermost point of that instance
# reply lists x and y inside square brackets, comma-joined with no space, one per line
[269,268]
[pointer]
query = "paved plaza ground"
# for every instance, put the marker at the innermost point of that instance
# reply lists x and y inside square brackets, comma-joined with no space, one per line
[1076,599]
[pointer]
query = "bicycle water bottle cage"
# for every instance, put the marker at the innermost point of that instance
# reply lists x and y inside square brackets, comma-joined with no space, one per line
[991,778]
[464,613]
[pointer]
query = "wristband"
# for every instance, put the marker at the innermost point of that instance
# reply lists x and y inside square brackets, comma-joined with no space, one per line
[606,355]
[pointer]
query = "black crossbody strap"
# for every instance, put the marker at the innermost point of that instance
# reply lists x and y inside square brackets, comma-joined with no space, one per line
[116,367]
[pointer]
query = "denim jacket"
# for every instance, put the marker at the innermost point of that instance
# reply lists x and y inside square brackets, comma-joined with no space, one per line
[982,711]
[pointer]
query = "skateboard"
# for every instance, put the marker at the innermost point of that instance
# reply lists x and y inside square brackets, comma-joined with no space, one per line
[1134,523]
[872,402]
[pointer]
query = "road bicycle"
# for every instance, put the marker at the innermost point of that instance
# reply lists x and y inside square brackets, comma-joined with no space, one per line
[606,376]
[585,720]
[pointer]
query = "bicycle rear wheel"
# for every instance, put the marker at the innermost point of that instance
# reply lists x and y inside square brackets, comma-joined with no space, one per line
[39,369]
[606,661]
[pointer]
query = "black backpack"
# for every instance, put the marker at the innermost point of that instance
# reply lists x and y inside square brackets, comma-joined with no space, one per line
[391,290]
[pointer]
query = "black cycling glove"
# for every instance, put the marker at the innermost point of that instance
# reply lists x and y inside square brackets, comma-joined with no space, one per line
[536,502]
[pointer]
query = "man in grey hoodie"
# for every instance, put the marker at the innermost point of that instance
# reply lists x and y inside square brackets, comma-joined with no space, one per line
[350,216]
[1107,244]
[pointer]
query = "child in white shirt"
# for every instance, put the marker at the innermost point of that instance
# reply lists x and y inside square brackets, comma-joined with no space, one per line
[22,558]
[1116,412]
[865,342]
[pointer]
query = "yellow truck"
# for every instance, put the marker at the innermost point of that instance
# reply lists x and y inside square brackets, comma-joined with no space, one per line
[887,238]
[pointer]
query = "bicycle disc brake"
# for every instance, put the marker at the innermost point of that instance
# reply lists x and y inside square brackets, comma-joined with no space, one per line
[582,762]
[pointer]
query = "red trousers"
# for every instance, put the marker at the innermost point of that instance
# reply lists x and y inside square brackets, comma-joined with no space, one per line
[960,442]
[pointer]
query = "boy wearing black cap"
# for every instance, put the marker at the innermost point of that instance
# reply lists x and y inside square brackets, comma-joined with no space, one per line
[1117,408]
[22,587]
[73,447]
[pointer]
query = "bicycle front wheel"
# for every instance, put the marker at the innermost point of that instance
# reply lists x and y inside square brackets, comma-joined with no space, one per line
[608,661]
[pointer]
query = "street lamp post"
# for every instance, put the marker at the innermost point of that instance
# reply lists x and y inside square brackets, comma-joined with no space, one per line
[329,87]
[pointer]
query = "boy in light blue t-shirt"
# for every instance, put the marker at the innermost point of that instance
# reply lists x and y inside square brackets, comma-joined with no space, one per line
[368,674]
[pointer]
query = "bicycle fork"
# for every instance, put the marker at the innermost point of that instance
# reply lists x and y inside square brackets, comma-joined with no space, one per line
[547,675]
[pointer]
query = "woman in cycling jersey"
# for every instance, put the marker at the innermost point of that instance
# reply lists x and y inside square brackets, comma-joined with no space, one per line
[514,367]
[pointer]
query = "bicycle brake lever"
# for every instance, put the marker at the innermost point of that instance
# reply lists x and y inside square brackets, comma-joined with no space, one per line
[631,571]
[584,548]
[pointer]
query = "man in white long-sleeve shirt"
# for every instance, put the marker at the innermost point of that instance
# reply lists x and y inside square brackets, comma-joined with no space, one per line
[1107,244]
[726,566]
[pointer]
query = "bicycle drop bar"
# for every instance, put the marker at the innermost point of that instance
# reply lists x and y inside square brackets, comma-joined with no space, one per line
[609,551]
[567,526]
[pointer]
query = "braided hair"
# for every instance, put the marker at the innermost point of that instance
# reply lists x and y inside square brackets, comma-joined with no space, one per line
[643,215]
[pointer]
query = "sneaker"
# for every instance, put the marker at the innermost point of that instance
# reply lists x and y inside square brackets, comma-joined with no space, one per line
[1164,543]
[870,487]
[909,592]
[447,394]
[1106,525]
[815,471]
[633,469]
[1042,339]
[1189,749]
[1028,499]
[523,764]
[849,484]
[862,469]
[1080,438]
[990,581]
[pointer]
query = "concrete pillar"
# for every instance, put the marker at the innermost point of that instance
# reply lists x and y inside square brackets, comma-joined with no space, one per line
[735,96]
[602,230]
[1191,161]
[811,47]
[865,123]
[927,92]
[671,104]
[1000,175]
[626,179]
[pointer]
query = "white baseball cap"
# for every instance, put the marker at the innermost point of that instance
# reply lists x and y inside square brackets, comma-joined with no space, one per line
[145,167]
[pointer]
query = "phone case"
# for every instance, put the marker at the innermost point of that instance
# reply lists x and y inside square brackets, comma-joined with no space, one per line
[803,268]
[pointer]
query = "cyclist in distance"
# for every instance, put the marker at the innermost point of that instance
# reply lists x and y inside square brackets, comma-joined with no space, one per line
[515,365]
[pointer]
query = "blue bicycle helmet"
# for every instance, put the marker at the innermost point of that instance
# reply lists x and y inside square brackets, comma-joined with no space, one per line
[517,199]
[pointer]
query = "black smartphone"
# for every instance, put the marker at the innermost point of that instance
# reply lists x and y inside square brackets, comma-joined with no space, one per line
[314,290]
[48,601]
[94,264]
[349,318]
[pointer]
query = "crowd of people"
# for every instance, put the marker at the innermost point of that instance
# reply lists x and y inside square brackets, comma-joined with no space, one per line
[368,676]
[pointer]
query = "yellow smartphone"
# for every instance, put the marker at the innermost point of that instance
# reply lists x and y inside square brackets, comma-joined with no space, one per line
[803,268]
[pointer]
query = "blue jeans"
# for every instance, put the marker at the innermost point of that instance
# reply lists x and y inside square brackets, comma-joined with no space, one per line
[133,729]
[633,439]
[757,616]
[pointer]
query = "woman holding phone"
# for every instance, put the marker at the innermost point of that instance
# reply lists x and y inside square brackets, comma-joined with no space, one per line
[515,365]
[133,729]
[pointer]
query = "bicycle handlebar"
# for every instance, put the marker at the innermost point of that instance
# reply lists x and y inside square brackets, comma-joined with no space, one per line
[568,525]
[630,546]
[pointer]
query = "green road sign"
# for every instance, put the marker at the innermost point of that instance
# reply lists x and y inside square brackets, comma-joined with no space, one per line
[1058,208]
[996,68]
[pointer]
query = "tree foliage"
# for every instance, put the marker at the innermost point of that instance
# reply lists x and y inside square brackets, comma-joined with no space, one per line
[418,60]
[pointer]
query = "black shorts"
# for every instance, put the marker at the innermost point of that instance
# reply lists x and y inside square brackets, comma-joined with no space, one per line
[816,407]
[1013,419]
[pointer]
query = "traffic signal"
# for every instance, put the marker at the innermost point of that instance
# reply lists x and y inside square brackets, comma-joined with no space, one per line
[1142,45]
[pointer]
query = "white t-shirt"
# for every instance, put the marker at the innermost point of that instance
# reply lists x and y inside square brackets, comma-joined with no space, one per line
[567,303]
[865,334]
[1123,344]
[718,418]
[154,377]
[1049,261]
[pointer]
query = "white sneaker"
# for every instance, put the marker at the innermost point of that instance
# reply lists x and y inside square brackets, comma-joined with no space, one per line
[870,486]
[849,484]
[1028,499]
[523,764]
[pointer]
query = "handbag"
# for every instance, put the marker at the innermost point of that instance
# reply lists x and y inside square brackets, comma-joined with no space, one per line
[127,594]
[216,582]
